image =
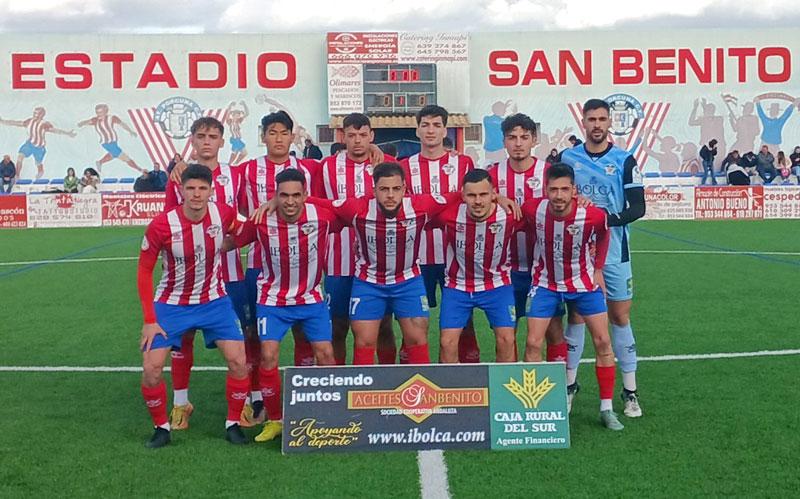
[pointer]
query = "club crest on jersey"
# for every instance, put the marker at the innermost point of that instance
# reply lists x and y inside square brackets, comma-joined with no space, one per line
[495,227]
[213,230]
[461,228]
[408,223]
[145,244]
[626,111]
[637,175]
[533,182]
[177,237]
[261,170]
[501,184]
[415,171]
[340,170]
[448,169]
[272,231]
[223,180]
[307,228]
[573,229]
[611,170]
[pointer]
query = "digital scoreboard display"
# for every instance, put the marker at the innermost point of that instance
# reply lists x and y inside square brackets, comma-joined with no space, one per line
[398,88]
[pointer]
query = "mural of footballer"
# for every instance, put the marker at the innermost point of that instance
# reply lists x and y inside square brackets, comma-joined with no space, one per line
[35,144]
[104,124]
[235,116]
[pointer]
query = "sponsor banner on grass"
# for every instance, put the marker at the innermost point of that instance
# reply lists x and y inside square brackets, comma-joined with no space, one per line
[782,202]
[13,212]
[669,203]
[380,408]
[134,208]
[729,203]
[64,210]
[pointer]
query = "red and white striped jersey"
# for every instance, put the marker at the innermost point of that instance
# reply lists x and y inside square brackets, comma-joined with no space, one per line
[227,188]
[387,249]
[37,128]
[562,260]
[438,177]
[294,255]
[105,129]
[344,178]
[477,252]
[259,187]
[520,186]
[235,127]
[191,253]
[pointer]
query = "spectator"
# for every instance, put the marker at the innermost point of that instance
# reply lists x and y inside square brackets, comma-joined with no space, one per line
[783,167]
[311,151]
[90,181]
[731,159]
[795,159]
[158,178]
[70,181]
[740,173]
[336,147]
[389,149]
[174,161]
[144,183]
[707,153]
[8,175]
[293,153]
[447,142]
[574,141]
[553,157]
[766,165]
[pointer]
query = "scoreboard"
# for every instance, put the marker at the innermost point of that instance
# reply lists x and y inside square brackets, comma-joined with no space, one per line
[398,88]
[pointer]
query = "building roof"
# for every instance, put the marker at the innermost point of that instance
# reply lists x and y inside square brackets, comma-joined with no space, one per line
[456,120]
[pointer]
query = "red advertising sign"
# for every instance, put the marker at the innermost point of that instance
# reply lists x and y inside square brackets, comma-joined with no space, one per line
[729,202]
[13,212]
[362,47]
[131,208]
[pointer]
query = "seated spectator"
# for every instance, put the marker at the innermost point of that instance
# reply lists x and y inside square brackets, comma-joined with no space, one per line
[90,181]
[766,165]
[574,141]
[144,183]
[795,159]
[174,161]
[731,159]
[158,178]
[739,173]
[70,181]
[783,167]
[553,157]
[8,175]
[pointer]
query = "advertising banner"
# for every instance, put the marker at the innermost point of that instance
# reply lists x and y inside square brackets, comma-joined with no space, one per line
[64,210]
[134,208]
[669,203]
[380,408]
[13,212]
[729,202]
[782,202]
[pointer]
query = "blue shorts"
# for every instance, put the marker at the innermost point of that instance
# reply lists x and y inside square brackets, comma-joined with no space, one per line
[236,144]
[370,302]
[619,281]
[522,287]
[337,289]
[216,318]
[273,322]
[432,274]
[497,304]
[251,294]
[38,153]
[544,303]
[237,292]
[112,148]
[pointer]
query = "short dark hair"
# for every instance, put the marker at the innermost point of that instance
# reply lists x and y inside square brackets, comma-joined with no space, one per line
[712,142]
[356,120]
[207,122]
[197,171]
[572,138]
[290,175]
[281,117]
[518,120]
[475,176]
[432,110]
[388,169]
[560,170]
[592,104]
[336,147]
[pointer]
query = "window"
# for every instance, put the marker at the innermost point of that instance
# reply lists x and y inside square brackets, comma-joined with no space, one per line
[325,134]
[473,133]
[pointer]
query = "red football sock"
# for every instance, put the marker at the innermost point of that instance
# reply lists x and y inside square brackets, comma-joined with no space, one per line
[252,353]
[605,380]
[387,355]
[236,391]
[418,354]
[156,400]
[468,350]
[303,352]
[271,392]
[363,356]
[182,362]
[557,353]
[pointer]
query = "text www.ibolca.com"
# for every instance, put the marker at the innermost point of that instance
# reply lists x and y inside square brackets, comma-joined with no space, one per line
[414,436]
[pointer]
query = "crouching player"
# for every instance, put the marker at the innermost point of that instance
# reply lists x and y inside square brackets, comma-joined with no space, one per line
[564,270]
[294,241]
[190,295]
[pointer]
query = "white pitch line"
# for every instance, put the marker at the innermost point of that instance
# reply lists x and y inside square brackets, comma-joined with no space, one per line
[70,260]
[433,474]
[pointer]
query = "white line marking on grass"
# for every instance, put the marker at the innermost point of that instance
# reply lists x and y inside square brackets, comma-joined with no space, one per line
[655,358]
[433,475]
[716,252]
[71,260]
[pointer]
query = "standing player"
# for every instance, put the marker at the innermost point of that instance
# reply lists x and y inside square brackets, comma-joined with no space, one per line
[565,271]
[521,177]
[104,124]
[477,234]
[207,139]
[435,171]
[190,296]
[349,175]
[293,242]
[610,178]
[35,145]
[234,119]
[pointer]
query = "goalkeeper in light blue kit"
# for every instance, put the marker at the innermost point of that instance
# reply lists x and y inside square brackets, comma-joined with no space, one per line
[611,179]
